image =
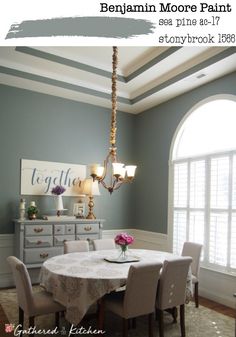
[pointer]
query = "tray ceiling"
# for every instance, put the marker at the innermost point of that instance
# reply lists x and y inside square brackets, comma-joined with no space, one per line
[147,77]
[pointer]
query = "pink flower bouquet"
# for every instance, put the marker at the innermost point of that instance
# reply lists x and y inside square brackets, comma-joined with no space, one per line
[124,239]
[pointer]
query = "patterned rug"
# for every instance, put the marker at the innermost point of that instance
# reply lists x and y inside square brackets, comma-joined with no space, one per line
[201,322]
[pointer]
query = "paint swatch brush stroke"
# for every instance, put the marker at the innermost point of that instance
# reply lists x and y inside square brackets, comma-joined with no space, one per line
[106,27]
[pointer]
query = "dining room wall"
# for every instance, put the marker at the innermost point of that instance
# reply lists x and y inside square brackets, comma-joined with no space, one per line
[48,128]
[154,131]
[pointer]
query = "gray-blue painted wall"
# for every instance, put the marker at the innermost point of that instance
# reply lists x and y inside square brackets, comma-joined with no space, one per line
[154,131]
[43,127]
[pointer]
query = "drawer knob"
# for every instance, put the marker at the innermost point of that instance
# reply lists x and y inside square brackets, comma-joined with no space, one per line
[39,242]
[38,229]
[87,228]
[69,230]
[88,239]
[43,255]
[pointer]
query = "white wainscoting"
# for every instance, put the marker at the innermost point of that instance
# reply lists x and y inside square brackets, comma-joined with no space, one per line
[213,285]
[6,249]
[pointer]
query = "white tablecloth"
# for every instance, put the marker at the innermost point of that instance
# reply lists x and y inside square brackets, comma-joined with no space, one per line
[78,280]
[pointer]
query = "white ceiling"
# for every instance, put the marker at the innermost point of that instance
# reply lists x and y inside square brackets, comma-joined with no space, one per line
[149,75]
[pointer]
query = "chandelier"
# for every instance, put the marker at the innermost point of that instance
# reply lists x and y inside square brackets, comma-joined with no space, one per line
[113,173]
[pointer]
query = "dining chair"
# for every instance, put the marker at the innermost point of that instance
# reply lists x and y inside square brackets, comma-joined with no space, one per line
[171,290]
[103,244]
[31,304]
[139,297]
[76,246]
[194,250]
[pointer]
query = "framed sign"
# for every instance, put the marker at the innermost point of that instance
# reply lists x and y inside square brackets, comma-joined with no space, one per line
[39,177]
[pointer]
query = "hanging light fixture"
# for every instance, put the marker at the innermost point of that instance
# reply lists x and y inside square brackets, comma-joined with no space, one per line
[113,174]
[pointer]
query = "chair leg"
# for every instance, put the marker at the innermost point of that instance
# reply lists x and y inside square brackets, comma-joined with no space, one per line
[134,323]
[101,310]
[21,319]
[31,324]
[131,323]
[57,319]
[160,321]
[174,314]
[196,294]
[150,325]
[182,320]
[125,327]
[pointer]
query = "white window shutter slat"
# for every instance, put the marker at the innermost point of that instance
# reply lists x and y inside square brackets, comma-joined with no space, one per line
[218,244]
[180,185]
[180,223]
[219,182]
[197,184]
[233,242]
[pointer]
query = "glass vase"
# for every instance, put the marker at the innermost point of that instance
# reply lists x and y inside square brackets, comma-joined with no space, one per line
[124,250]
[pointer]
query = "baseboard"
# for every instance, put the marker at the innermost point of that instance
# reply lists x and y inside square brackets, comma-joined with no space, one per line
[216,297]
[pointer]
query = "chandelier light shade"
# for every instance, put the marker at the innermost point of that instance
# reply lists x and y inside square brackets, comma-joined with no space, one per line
[113,173]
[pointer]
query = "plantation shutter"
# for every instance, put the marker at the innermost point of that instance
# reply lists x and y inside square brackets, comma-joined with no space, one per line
[180,204]
[220,182]
[233,221]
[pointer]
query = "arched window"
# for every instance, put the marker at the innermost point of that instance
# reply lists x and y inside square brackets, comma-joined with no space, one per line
[203,172]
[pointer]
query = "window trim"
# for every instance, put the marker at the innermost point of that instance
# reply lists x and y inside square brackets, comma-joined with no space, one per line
[171,163]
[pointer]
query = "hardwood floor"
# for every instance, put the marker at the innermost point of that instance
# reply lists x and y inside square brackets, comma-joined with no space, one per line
[222,309]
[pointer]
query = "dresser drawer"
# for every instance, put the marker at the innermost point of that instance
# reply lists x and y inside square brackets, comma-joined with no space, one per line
[59,229]
[39,255]
[38,241]
[31,230]
[60,239]
[88,237]
[70,229]
[87,228]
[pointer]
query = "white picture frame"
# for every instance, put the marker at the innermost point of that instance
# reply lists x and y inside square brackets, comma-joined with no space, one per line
[79,209]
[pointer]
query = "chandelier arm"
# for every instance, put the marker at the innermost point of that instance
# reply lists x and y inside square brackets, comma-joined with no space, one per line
[118,185]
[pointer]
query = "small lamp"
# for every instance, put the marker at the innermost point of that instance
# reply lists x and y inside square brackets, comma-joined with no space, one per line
[90,188]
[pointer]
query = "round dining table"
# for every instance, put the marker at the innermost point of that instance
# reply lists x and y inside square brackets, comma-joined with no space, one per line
[77,280]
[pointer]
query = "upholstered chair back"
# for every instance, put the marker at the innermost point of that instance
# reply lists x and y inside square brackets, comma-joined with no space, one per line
[103,244]
[76,246]
[194,250]
[172,283]
[141,288]
[23,284]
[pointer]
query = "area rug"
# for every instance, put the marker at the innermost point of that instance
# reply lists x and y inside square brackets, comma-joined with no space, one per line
[201,322]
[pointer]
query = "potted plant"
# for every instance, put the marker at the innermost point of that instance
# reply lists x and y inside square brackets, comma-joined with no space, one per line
[32,212]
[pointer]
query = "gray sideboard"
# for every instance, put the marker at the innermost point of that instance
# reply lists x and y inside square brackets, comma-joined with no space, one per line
[38,240]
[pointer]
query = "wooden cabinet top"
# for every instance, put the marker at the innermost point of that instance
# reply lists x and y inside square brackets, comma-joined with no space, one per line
[69,220]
